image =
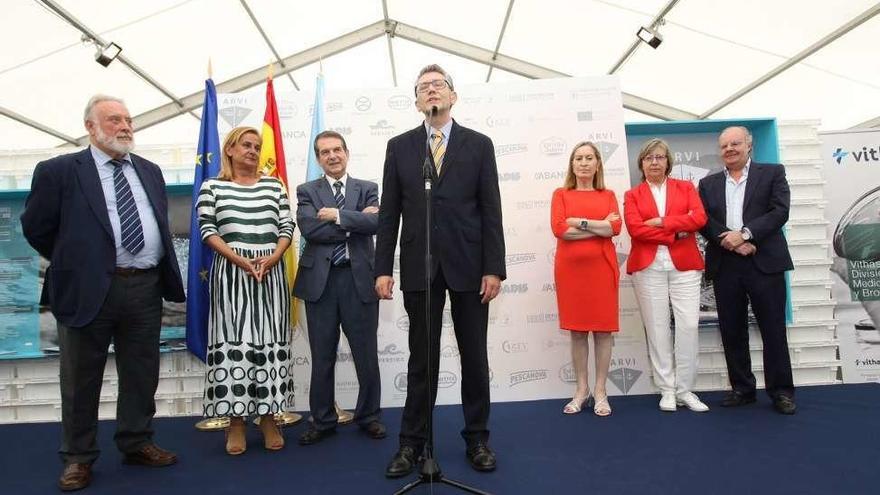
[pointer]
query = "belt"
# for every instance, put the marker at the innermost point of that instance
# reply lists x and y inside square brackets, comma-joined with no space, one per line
[129,272]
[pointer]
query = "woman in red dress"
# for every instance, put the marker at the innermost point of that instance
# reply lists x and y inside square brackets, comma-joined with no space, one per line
[584,216]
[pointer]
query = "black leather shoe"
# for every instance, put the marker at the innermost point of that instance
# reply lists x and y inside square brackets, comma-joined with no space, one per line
[481,457]
[374,430]
[314,435]
[403,463]
[784,405]
[736,399]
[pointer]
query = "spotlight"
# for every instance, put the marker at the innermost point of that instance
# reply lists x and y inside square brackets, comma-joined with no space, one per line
[107,54]
[650,36]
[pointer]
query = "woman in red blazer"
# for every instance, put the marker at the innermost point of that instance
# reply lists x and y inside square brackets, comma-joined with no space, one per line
[662,216]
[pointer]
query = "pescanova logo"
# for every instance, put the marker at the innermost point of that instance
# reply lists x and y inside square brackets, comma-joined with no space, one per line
[524,376]
[863,155]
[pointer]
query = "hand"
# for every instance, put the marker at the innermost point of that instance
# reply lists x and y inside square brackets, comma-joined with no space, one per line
[654,222]
[245,264]
[746,249]
[682,235]
[490,287]
[612,217]
[731,239]
[370,209]
[384,284]
[328,214]
[263,265]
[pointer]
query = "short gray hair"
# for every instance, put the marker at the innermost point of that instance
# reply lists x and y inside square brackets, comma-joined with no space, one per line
[94,100]
[742,128]
[433,68]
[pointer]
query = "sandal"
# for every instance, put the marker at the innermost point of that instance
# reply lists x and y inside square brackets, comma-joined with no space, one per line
[602,408]
[236,438]
[273,439]
[575,406]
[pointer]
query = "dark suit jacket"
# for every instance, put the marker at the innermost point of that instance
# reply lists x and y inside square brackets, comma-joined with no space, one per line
[314,265]
[765,211]
[65,220]
[468,239]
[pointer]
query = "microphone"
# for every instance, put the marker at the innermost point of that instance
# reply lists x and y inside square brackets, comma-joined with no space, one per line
[434,110]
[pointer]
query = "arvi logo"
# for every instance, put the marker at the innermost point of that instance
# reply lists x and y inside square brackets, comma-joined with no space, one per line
[624,376]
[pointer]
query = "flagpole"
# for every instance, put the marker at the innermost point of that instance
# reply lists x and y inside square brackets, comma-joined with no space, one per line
[206,166]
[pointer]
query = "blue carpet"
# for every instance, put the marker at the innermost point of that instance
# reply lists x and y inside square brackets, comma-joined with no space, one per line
[832,446]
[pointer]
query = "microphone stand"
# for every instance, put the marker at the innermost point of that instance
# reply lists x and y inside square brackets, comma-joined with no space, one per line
[430,470]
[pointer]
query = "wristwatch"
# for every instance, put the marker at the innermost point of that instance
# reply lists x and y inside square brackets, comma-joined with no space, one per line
[583,225]
[746,234]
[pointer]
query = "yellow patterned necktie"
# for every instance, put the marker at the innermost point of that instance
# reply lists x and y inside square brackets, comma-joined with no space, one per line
[438,149]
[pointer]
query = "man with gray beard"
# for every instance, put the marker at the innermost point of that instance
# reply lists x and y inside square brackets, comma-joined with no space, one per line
[100,216]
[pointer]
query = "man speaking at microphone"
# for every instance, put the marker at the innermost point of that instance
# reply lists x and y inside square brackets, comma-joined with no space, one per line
[467,247]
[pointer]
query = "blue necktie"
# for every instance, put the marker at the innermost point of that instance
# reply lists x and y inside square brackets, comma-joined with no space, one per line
[131,231]
[339,249]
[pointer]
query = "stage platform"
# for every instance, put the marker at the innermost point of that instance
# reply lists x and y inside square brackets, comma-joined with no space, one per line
[832,446]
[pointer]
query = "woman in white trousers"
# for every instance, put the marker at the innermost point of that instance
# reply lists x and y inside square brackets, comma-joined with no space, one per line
[662,216]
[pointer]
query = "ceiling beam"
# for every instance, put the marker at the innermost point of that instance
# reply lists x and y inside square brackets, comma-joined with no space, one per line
[265,36]
[875,122]
[655,23]
[258,76]
[94,36]
[388,38]
[806,52]
[500,37]
[525,69]
[36,125]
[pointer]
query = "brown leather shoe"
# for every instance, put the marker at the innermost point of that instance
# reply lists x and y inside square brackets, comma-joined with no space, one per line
[150,455]
[75,476]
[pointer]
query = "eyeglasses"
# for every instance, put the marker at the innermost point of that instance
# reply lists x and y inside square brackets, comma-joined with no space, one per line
[651,158]
[438,84]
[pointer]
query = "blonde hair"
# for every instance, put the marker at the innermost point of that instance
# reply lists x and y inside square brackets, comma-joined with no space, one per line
[598,177]
[234,136]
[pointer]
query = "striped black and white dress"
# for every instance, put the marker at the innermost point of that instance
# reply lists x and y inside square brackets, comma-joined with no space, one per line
[250,371]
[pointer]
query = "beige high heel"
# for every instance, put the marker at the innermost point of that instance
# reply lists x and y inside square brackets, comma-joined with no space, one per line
[236,437]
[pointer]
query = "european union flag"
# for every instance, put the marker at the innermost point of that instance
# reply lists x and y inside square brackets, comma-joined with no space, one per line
[200,255]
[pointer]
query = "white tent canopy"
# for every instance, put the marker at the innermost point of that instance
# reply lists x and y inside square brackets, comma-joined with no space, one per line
[790,59]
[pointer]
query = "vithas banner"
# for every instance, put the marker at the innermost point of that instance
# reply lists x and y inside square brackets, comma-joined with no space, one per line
[852,172]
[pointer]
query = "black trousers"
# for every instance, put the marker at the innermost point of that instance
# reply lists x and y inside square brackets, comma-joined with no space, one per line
[131,319]
[737,283]
[341,305]
[470,318]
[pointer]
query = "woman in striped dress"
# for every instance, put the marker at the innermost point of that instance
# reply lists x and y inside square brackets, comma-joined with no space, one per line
[245,218]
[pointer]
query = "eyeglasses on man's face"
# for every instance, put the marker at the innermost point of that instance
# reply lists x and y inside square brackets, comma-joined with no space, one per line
[437,84]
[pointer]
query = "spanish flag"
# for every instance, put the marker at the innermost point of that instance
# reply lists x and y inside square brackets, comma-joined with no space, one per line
[272,164]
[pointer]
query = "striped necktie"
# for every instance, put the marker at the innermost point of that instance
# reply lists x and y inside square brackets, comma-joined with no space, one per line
[131,230]
[438,149]
[339,249]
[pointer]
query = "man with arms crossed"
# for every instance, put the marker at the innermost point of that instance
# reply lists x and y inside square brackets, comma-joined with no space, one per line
[337,215]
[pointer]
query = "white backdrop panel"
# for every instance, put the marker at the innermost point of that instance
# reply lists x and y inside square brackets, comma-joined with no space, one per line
[534,125]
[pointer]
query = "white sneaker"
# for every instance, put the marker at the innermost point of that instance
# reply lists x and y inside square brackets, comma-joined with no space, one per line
[667,402]
[692,402]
